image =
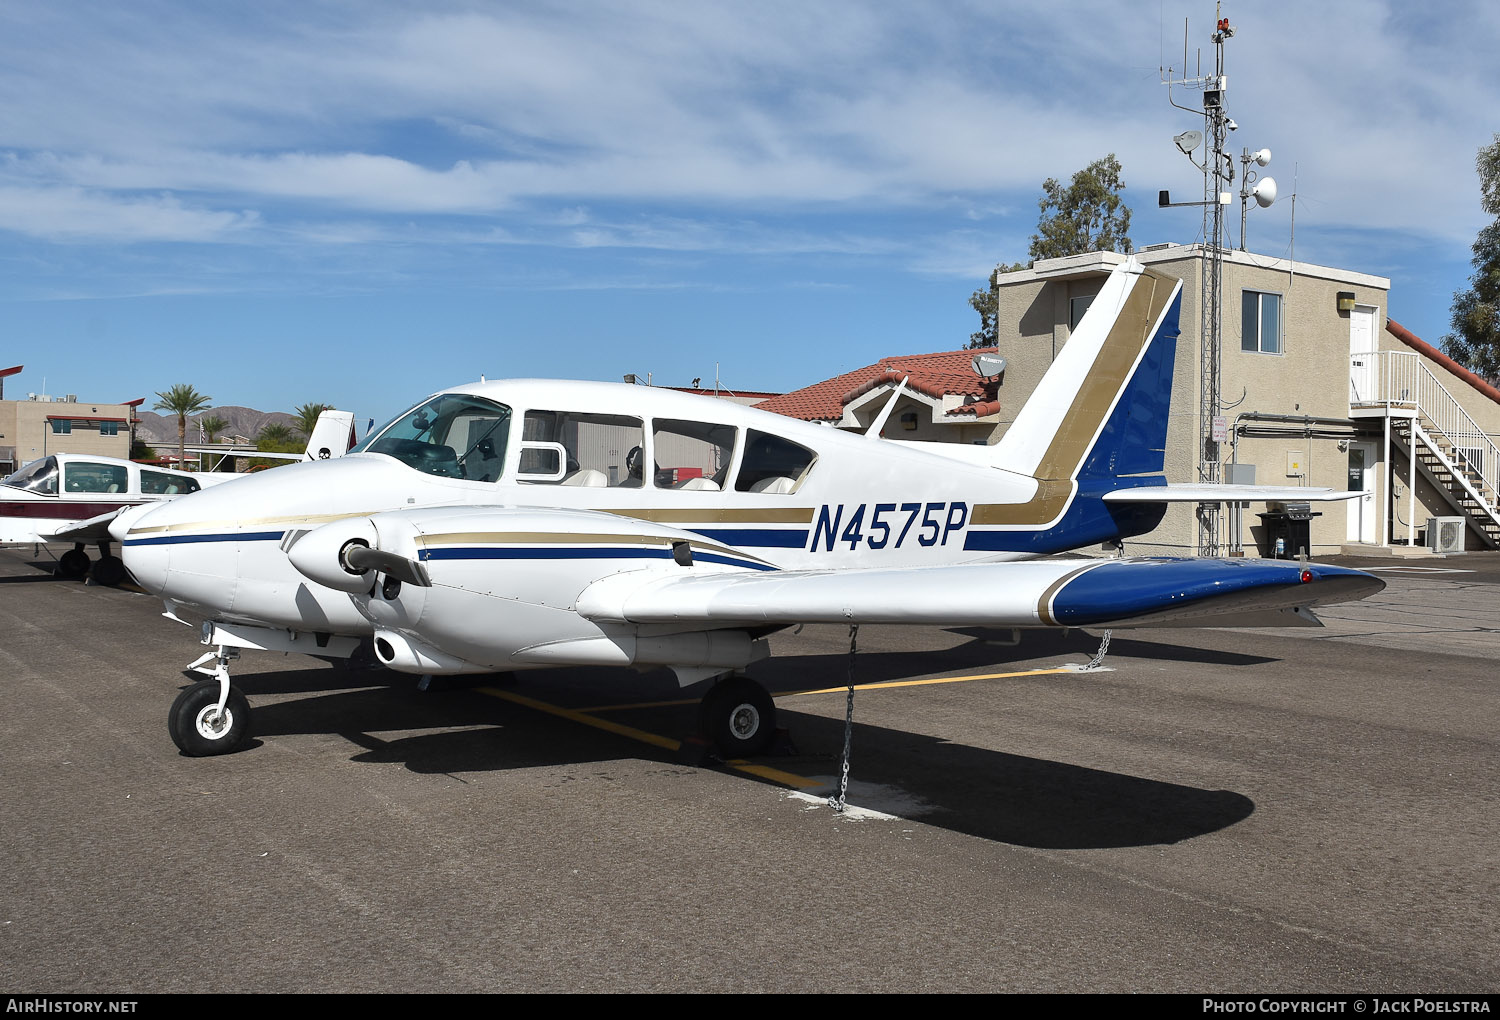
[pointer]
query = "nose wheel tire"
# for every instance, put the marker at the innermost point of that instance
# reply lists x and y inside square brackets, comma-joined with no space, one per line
[197,726]
[738,717]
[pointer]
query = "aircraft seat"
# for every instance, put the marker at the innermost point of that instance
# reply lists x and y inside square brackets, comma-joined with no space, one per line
[776,483]
[701,484]
[587,476]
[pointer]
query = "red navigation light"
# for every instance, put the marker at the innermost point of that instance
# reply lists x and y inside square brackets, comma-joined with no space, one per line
[1306,575]
[1223,24]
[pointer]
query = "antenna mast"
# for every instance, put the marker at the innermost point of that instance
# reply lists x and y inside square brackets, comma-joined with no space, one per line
[1218,175]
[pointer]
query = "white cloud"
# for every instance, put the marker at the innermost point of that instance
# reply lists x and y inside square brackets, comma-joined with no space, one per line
[76,215]
[509,112]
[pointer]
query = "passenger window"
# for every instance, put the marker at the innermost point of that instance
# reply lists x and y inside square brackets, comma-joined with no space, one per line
[772,464]
[159,483]
[86,476]
[691,454]
[590,450]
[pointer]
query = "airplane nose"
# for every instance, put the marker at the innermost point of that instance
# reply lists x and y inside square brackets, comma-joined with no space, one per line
[147,562]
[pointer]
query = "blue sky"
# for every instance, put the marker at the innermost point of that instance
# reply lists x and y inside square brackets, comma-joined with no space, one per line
[358,203]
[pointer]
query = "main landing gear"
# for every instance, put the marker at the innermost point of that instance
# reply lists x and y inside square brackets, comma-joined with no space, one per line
[212,716]
[738,717]
[107,570]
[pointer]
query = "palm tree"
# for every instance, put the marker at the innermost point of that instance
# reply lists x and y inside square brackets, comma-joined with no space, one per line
[212,426]
[181,400]
[307,417]
[275,432]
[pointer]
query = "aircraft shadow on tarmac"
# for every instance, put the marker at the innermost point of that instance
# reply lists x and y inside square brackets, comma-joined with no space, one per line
[1128,644]
[976,791]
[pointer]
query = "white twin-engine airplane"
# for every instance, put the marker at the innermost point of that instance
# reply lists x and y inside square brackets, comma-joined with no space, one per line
[73,497]
[522,524]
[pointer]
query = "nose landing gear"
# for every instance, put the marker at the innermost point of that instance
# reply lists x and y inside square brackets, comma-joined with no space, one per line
[212,716]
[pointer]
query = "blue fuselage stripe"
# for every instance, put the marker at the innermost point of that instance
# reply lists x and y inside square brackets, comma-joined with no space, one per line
[756,538]
[236,536]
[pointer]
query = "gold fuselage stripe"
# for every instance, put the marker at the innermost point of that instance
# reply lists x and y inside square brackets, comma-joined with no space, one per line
[571,538]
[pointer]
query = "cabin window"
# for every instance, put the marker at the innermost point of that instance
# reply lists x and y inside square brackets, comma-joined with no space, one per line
[691,454]
[40,476]
[160,483]
[1260,330]
[772,464]
[590,450]
[88,476]
[451,436]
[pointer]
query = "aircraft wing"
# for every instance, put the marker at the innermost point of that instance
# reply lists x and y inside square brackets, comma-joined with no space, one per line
[1033,593]
[1211,493]
[94,529]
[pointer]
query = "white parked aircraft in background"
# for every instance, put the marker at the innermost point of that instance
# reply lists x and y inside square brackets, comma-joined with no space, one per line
[523,524]
[72,497]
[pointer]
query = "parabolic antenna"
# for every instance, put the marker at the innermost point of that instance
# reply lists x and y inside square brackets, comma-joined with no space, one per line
[1188,141]
[1265,192]
[987,365]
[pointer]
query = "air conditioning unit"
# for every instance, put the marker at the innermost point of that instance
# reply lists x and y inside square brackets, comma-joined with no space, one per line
[1445,534]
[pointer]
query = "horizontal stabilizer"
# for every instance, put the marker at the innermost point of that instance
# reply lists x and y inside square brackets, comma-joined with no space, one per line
[1209,493]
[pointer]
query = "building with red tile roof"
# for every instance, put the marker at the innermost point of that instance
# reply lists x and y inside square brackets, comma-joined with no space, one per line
[943,399]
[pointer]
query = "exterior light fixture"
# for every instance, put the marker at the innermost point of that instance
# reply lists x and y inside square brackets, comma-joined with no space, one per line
[1346,300]
[909,421]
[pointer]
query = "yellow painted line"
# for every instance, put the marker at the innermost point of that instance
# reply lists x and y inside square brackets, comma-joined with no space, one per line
[933,680]
[642,704]
[839,690]
[776,775]
[759,771]
[579,717]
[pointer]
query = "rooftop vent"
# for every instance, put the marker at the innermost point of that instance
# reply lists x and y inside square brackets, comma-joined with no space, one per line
[1159,247]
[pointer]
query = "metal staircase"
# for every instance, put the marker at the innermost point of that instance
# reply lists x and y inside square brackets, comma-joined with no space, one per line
[1452,451]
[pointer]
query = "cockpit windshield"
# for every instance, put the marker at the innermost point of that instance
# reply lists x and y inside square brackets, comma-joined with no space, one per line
[452,436]
[39,476]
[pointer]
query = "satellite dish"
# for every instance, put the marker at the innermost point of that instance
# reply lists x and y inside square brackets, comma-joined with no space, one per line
[1262,157]
[987,365]
[1265,192]
[1188,141]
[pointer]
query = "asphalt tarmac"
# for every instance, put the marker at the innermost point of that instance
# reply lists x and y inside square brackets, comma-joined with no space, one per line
[1220,811]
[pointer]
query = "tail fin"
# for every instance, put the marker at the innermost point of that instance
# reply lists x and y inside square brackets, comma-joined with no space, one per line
[1100,411]
[332,436]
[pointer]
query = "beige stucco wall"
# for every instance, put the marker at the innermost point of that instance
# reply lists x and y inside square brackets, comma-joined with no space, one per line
[23,424]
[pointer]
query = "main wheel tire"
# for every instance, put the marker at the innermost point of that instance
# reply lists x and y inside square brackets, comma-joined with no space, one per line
[197,728]
[108,571]
[73,563]
[739,717]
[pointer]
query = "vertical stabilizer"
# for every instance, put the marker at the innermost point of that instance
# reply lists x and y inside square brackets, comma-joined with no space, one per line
[1101,409]
[332,436]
